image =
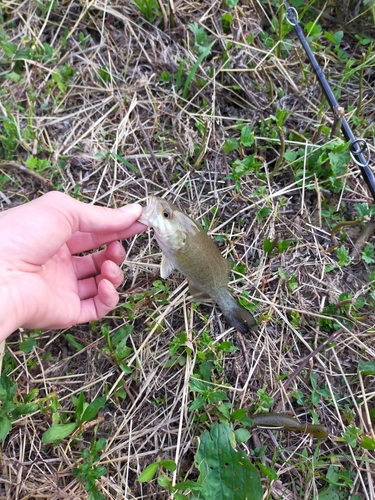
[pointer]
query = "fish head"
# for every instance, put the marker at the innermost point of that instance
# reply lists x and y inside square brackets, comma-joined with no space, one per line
[171,226]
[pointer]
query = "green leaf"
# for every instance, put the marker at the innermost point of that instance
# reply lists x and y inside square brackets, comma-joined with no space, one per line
[247,137]
[229,145]
[283,245]
[343,255]
[8,48]
[79,403]
[242,435]
[238,414]
[204,53]
[224,472]
[366,367]
[333,493]
[197,386]
[267,245]
[268,472]
[7,388]
[339,162]
[149,473]
[5,426]
[367,253]
[170,465]
[122,160]
[164,481]
[290,155]
[351,435]
[217,396]
[72,341]
[32,394]
[92,409]
[58,432]
[24,409]
[367,443]
[28,345]
[197,403]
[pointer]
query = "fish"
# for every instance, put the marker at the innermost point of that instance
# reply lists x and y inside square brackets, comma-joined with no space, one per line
[287,422]
[187,248]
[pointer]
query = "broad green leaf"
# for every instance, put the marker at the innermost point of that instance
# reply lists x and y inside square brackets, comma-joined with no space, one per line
[225,474]
[58,432]
[92,409]
[148,473]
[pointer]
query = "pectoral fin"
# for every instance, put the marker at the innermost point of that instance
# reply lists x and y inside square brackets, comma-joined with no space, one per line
[166,267]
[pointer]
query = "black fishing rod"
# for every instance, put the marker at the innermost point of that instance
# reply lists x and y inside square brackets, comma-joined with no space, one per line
[358,147]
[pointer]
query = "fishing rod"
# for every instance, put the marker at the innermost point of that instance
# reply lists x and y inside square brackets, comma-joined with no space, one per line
[359,150]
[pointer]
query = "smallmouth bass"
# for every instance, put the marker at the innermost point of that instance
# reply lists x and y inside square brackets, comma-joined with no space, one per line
[187,248]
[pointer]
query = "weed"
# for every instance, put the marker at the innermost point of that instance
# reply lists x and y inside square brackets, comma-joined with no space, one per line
[150,9]
[11,409]
[84,413]
[87,473]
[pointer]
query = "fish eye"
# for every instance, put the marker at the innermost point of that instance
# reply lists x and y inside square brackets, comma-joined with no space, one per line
[166,214]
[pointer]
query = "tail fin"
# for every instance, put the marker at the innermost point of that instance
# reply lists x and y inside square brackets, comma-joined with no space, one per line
[237,316]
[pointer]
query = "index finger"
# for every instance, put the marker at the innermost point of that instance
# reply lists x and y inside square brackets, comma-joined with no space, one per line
[80,242]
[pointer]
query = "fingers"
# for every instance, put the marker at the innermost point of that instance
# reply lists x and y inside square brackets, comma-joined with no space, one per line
[91,265]
[91,226]
[80,241]
[96,307]
[109,271]
[55,218]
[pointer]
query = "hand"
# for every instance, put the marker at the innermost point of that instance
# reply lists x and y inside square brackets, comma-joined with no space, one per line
[42,283]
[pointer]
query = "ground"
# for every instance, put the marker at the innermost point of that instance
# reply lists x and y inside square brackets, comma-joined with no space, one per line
[215,105]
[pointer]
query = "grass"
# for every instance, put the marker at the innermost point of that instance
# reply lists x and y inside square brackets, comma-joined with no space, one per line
[214,104]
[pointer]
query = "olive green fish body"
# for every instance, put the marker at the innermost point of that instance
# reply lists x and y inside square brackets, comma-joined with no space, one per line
[187,247]
[289,423]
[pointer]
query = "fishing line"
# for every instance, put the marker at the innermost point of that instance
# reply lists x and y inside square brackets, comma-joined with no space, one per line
[359,149]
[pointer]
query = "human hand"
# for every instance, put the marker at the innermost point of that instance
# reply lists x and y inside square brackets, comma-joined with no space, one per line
[42,283]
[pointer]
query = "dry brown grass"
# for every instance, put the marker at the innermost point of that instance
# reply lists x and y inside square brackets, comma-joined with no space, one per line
[137,115]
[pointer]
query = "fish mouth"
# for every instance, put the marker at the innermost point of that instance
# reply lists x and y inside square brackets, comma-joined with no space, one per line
[148,212]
